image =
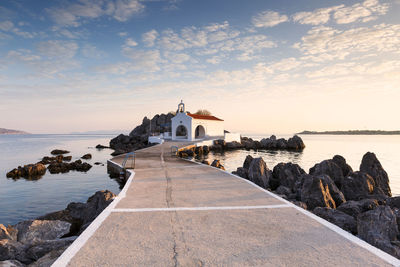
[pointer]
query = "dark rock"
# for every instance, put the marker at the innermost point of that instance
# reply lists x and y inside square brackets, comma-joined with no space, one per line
[337,217]
[11,263]
[13,250]
[98,163]
[330,168]
[341,162]
[7,233]
[39,249]
[357,185]
[217,164]
[59,152]
[101,146]
[220,142]
[67,158]
[286,174]
[33,230]
[205,162]
[393,202]
[354,208]
[247,161]
[295,143]
[259,173]
[242,172]
[48,259]
[283,190]
[206,150]
[233,145]
[315,192]
[93,207]
[28,171]
[378,227]
[198,150]
[63,167]
[371,165]
[86,156]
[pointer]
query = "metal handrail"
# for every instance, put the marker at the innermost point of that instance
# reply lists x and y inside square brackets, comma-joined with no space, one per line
[132,156]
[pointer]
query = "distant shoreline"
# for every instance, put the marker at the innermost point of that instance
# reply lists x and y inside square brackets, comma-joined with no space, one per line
[4,131]
[352,132]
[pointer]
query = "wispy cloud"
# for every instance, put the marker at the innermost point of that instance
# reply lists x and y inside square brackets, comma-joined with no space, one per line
[268,18]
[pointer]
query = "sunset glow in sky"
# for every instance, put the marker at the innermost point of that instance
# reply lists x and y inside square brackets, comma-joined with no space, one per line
[262,66]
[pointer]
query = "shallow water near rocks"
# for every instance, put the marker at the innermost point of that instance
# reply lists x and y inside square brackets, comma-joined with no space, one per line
[23,199]
[321,147]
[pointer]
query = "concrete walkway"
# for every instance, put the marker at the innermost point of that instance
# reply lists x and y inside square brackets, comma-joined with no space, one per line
[179,213]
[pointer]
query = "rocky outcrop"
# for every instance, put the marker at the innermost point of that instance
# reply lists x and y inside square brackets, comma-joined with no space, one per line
[379,228]
[286,174]
[337,217]
[259,173]
[28,171]
[341,162]
[33,230]
[57,159]
[294,143]
[371,165]
[358,185]
[354,208]
[125,143]
[330,168]
[64,167]
[99,146]
[59,152]
[315,192]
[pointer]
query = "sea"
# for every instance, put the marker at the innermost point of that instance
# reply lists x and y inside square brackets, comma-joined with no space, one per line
[24,199]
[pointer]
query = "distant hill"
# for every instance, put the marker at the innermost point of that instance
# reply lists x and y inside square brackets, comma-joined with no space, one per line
[354,132]
[9,131]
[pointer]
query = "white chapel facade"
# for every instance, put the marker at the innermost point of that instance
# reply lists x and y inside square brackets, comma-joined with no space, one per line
[191,127]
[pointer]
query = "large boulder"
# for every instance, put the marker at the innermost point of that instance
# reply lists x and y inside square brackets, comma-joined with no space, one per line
[330,168]
[48,259]
[393,202]
[295,143]
[13,250]
[39,249]
[371,165]
[33,230]
[315,192]
[379,228]
[242,172]
[358,185]
[87,212]
[259,173]
[286,174]
[341,162]
[247,161]
[354,208]
[337,217]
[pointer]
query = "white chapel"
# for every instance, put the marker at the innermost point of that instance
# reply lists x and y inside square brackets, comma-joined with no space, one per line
[190,127]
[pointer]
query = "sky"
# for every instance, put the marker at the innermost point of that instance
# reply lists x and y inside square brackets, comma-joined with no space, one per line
[263,66]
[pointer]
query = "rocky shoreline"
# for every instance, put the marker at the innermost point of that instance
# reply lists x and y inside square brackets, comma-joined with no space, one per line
[359,202]
[41,241]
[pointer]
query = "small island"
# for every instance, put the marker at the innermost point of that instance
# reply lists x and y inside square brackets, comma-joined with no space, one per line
[353,132]
[9,131]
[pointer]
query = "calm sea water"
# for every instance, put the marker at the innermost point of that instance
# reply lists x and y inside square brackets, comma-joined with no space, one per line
[321,147]
[23,199]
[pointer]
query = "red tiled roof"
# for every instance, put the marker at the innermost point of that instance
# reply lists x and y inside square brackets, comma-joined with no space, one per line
[204,117]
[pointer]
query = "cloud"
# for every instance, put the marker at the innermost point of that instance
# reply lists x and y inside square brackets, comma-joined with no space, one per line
[150,37]
[130,42]
[73,13]
[58,48]
[8,26]
[329,43]
[316,17]
[367,11]
[91,51]
[362,12]
[268,18]
[143,60]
